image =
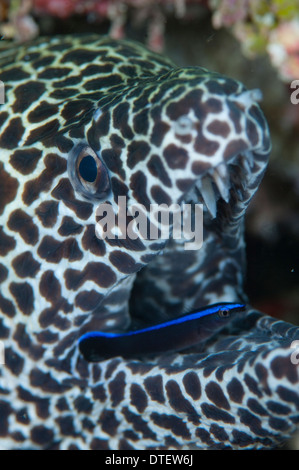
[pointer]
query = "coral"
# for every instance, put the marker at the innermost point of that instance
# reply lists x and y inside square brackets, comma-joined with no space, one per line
[263,26]
[283,48]
[17,20]
[266,26]
[141,12]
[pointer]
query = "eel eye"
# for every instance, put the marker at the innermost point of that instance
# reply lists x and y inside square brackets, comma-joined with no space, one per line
[88,173]
[87,169]
[224,313]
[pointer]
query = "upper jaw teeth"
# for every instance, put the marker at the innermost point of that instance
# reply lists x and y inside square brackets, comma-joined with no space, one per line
[208,195]
[219,177]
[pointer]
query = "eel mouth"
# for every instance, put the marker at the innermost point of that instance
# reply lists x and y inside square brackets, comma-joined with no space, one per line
[225,190]
[173,280]
[177,281]
[227,185]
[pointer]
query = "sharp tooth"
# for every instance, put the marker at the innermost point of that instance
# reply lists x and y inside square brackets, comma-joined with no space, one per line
[222,170]
[208,195]
[221,179]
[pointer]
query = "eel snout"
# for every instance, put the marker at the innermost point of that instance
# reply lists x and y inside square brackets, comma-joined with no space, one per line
[240,161]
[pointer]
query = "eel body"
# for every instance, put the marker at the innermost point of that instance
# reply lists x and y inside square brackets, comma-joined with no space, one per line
[88,121]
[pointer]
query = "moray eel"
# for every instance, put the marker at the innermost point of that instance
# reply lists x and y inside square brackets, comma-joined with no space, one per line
[88,120]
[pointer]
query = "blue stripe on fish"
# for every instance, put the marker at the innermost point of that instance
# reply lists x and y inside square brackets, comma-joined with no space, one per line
[176,334]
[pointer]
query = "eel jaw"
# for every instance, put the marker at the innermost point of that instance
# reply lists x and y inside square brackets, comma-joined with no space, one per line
[185,280]
[229,186]
[225,190]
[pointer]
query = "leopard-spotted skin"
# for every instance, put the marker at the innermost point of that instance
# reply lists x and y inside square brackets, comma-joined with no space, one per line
[158,134]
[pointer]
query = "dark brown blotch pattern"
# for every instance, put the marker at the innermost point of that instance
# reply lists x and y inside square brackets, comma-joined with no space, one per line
[109,422]
[26,94]
[42,133]
[8,188]
[175,157]
[141,122]
[137,152]
[13,361]
[171,422]
[192,385]
[69,227]
[25,265]
[88,300]
[7,243]
[116,388]
[90,242]
[157,169]
[97,272]
[205,146]
[124,262]
[216,414]
[141,426]
[111,157]
[160,196]
[121,119]
[160,129]
[54,166]
[219,128]
[182,107]
[154,387]
[215,394]
[64,192]
[20,222]
[7,307]
[25,160]
[138,184]
[54,251]
[3,273]
[235,390]
[138,398]
[47,213]
[42,112]
[234,148]
[97,130]
[24,296]
[282,367]
[179,403]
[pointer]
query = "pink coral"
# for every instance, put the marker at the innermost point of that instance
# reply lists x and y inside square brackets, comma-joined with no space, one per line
[283,48]
[66,8]
[228,12]
[259,26]
[153,14]
[60,8]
